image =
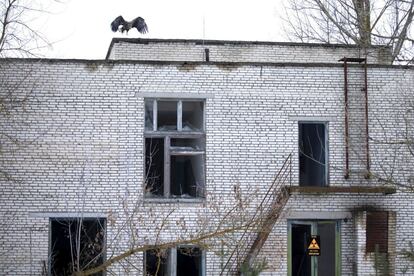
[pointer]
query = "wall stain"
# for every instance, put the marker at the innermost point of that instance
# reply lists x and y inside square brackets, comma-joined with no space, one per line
[186,67]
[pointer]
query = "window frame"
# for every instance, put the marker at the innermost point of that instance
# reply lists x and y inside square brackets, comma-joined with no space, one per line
[172,260]
[314,226]
[167,136]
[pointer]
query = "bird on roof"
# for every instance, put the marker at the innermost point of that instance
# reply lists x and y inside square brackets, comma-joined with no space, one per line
[120,24]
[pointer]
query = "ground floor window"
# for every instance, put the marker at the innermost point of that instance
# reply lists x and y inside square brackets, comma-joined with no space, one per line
[314,248]
[180,261]
[76,244]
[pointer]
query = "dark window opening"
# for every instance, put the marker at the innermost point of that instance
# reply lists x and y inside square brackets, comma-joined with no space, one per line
[167,115]
[189,261]
[312,154]
[186,172]
[192,116]
[377,232]
[154,164]
[72,235]
[156,262]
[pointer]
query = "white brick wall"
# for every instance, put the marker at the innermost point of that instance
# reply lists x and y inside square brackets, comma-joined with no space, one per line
[238,51]
[80,136]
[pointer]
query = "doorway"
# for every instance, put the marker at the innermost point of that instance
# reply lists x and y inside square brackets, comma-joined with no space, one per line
[313,154]
[300,234]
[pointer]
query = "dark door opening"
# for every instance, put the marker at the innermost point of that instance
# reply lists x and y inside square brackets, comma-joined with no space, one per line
[328,262]
[312,154]
[301,262]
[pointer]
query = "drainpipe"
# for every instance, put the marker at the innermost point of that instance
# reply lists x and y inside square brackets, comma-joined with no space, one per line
[346,117]
[345,60]
[368,173]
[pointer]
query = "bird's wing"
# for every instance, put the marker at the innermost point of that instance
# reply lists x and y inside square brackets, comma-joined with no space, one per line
[117,22]
[140,24]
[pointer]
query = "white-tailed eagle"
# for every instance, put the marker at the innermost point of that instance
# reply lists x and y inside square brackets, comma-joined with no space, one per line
[120,24]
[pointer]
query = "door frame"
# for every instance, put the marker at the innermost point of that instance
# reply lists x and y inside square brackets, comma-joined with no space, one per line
[314,231]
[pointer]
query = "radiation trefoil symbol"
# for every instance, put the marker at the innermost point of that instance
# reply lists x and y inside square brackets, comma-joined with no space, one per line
[314,248]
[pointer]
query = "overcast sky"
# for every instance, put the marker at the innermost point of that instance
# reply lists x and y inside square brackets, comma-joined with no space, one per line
[80,28]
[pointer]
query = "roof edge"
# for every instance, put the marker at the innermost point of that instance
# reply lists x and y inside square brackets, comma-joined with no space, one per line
[224,42]
[173,62]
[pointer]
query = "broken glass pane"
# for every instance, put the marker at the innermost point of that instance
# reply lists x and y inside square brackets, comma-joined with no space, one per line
[167,115]
[187,144]
[193,115]
[154,167]
[187,176]
[149,115]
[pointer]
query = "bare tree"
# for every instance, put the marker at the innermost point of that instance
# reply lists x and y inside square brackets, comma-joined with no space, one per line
[359,22]
[221,228]
[18,36]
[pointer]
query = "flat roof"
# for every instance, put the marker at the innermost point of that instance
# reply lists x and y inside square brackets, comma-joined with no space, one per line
[231,42]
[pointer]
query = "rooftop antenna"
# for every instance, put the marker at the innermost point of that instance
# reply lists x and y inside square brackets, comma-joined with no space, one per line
[204,27]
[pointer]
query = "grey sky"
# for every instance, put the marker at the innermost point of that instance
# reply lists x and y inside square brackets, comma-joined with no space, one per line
[80,28]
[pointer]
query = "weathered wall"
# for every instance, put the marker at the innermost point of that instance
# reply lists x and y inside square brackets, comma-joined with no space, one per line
[238,51]
[80,148]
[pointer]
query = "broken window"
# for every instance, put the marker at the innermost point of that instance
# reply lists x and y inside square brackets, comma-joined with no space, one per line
[154,164]
[167,115]
[377,232]
[180,261]
[76,244]
[174,148]
[313,154]
[189,261]
[192,114]
[156,263]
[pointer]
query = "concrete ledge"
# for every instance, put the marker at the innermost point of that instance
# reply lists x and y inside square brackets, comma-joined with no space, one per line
[318,215]
[175,200]
[342,190]
[66,215]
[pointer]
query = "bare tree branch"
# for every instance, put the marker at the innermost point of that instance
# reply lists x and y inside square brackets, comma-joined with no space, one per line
[360,22]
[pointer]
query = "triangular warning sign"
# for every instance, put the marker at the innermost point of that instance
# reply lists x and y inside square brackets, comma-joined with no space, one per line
[313,244]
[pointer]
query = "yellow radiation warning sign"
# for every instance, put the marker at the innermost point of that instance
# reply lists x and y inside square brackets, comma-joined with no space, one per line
[314,248]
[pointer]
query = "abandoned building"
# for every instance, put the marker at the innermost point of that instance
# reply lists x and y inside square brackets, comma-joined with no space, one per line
[296,158]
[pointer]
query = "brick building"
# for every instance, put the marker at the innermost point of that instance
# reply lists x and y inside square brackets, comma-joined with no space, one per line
[158,142]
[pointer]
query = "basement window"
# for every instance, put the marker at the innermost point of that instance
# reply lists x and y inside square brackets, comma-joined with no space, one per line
[179,261]
[377,232]
[174,149]
[313,154]
[76,242]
